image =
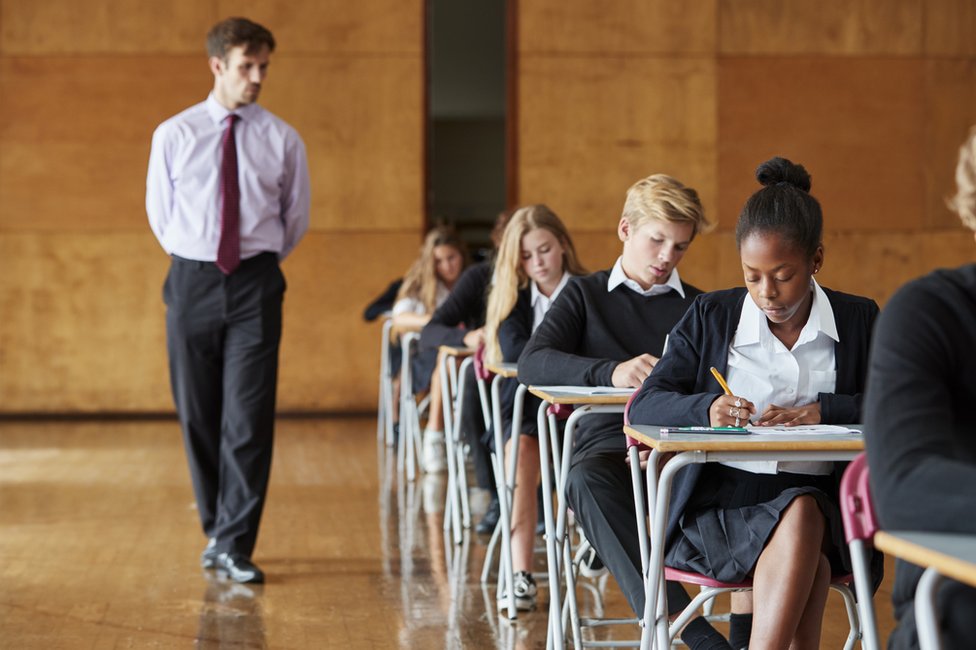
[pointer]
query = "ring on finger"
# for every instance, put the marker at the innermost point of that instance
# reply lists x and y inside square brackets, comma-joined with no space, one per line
[730,413]
[738,401]
[737,421]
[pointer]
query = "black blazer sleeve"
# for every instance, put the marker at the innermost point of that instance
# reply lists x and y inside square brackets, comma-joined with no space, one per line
[464,309]
[383,303]
[515,331]
[549,357]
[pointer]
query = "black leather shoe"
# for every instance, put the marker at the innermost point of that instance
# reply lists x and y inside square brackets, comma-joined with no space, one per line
[487,524]
[208,559]
[238,568]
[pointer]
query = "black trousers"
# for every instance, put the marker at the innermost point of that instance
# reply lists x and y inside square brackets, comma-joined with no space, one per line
[599,489]
[222,333]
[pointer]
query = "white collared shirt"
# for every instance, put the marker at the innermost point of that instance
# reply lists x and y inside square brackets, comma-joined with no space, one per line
[183,182]
[762,370]
[541,303]
[409,305]
[618,277]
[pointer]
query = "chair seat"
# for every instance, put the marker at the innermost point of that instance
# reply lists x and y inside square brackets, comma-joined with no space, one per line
[677,575]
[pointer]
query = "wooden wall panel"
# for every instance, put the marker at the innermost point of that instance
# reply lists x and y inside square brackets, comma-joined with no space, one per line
[858,27]
[875,264]
[329,355]
[82,327]
[950,111]
[590,127]
[623,26]
[950,27]
[364,137]
[74,147]
[856,124]
[336,26]
[105,26]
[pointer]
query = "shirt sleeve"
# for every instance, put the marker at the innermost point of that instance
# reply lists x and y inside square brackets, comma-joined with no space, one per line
[159,184]
[295,196]
[408,306]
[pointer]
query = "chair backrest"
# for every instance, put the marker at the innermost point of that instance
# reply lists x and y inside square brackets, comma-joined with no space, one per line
[480,371]
[856,506]
[630,441]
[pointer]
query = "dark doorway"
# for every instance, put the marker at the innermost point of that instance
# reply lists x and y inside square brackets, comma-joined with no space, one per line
[467,101]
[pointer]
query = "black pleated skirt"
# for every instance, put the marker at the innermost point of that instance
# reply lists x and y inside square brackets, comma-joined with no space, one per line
[733,513]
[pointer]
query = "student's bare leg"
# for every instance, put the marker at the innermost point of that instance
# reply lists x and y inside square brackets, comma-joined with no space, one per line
[525,505]
[435,414]
[787,579]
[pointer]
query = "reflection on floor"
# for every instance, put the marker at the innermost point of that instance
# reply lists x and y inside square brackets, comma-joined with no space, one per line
[100,547]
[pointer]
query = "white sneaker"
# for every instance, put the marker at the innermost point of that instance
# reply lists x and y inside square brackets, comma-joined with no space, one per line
[435,457]
[525,593]
[433,489]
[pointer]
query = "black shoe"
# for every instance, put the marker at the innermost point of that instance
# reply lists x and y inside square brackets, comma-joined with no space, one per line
[591,566]
[490,520]
[208,559]
[238,568]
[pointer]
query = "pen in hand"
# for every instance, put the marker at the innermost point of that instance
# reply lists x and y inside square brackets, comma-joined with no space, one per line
[721,380]
[734,411]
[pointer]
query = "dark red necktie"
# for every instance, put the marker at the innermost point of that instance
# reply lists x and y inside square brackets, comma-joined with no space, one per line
[229,249]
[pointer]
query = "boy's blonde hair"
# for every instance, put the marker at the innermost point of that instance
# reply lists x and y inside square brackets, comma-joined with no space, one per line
[964,201]
[660,197]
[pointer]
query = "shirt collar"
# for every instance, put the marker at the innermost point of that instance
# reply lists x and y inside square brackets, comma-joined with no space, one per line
[536,295]
[618,277]
[218,112]
[752,321]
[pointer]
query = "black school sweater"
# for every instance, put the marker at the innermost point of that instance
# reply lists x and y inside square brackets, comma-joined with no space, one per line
[589,331]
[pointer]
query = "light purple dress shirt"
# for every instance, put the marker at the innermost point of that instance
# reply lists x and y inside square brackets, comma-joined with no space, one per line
[183,183]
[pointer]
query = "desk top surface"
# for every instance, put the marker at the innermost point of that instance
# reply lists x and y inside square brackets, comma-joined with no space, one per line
[456,351]
[951,554]
[503,369]
[582,394]
[651,436]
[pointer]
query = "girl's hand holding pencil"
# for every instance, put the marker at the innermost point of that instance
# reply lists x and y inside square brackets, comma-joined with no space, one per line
[728,410]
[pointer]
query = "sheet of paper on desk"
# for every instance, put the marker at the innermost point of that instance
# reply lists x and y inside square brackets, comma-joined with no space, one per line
[590,390]
[812,429]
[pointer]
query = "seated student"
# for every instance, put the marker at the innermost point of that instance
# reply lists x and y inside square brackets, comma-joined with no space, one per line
[536,259]
[793,353]
[607,329]
[459,322]
[921,444]
[425,287]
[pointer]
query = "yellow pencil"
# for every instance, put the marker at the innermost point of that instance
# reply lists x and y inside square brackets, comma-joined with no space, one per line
[721,380]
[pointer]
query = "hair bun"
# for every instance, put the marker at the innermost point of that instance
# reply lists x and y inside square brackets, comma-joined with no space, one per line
[780,170]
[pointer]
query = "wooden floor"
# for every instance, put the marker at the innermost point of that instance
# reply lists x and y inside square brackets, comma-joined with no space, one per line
[100,544]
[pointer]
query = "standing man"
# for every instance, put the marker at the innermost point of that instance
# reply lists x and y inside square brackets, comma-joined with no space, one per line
[228,197]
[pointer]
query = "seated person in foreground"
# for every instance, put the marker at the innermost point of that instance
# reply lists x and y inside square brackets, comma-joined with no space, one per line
[608,329]
[793,353]
[921,443]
